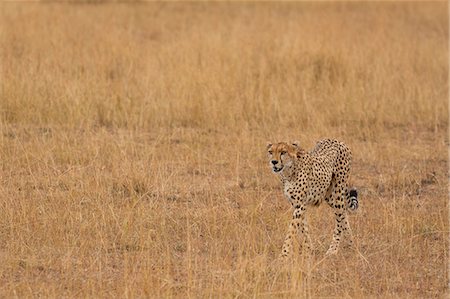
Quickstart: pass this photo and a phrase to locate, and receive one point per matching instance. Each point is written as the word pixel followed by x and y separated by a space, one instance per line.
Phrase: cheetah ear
pixel 269 144
pixel 296 143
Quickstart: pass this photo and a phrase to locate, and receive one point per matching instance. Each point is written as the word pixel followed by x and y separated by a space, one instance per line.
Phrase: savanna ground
pixel 132 147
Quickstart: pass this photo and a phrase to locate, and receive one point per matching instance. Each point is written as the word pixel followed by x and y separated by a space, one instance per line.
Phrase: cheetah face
pixel 281 155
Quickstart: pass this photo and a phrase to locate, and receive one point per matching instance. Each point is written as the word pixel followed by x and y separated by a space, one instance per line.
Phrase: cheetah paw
pixel 283 257
pixel 331 251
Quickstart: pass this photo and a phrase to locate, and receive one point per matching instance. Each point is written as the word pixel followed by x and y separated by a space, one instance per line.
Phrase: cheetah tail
pixel 352 199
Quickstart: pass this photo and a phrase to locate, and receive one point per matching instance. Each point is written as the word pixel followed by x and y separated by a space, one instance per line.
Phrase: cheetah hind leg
pixel 352 205
pixel 341 226
pixel 342 230
pixel 331 198
pixel 348 237
pixel 307 243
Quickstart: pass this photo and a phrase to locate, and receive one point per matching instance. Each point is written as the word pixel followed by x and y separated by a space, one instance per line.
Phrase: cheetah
pixel 308 179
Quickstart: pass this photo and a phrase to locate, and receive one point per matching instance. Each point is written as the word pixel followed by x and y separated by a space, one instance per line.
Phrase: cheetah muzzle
pixel 277 169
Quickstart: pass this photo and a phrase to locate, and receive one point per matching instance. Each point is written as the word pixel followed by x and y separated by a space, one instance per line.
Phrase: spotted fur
pixel 309 178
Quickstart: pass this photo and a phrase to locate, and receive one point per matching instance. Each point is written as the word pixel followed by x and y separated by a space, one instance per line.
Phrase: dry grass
pixel 132 147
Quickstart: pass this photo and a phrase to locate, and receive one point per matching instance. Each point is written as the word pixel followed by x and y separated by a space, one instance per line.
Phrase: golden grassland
pixel 132 147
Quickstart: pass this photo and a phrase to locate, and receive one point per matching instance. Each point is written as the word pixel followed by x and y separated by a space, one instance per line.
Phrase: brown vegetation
pixel 132 147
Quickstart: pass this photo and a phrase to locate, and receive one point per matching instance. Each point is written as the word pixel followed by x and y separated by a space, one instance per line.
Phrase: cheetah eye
pixel 270 152
pixel 283 152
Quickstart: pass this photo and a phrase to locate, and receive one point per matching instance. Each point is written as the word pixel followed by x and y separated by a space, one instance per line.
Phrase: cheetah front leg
pixel 297 225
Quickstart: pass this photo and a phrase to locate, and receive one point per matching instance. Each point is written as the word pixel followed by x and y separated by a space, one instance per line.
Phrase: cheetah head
pixel 281 155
